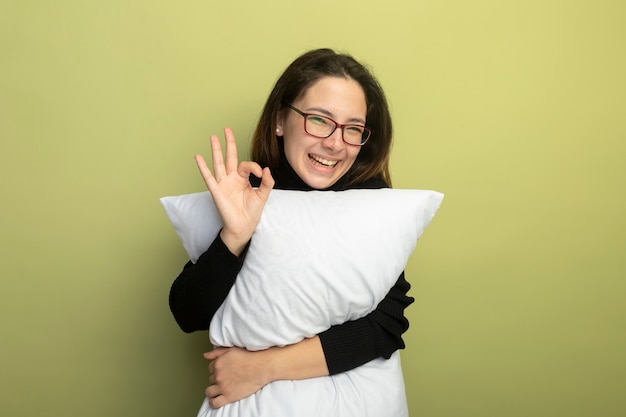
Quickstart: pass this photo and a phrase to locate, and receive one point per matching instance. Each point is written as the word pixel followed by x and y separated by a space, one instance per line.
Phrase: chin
pixel 320 183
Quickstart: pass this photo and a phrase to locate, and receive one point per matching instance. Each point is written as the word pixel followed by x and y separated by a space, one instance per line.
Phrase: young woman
pixel 325 126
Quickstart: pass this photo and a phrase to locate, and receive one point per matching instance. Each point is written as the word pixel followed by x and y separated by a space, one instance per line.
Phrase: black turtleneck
pixel 200 289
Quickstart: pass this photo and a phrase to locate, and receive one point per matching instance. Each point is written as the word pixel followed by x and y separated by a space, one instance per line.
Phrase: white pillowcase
pixel 316 259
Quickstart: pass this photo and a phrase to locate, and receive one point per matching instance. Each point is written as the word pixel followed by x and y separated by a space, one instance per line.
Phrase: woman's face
pixel 322 162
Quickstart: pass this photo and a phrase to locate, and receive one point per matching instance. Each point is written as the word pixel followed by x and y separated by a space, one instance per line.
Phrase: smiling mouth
pixel 321 161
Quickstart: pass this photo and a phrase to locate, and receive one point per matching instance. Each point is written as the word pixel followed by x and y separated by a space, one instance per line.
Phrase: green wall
pixel 514 109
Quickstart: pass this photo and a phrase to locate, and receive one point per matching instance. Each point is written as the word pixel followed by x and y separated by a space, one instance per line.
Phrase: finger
pixel 212 391
pixel 204 171
pixel 215 353
pixel 231 151
pixel 218 158
pixel 249 167
pixel 267 183
pixel 218 401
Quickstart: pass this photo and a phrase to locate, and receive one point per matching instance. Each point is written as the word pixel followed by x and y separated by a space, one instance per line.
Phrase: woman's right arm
pixel 200 289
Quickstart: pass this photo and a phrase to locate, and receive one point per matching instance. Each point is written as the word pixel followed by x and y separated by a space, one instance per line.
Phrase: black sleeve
pixel 379 334
pixel 201 288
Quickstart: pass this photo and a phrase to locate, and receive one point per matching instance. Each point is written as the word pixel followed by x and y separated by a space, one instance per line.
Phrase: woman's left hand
pixel 236 373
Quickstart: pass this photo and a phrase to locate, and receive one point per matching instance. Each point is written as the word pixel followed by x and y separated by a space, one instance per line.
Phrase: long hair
pixel 373 158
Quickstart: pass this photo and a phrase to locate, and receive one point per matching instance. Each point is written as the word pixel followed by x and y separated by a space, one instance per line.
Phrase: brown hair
pixel 373 158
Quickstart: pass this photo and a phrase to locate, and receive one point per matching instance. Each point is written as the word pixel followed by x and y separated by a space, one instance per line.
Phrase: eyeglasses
pixel 323 127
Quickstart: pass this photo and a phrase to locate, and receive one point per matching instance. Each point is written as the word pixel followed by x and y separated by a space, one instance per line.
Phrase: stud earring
pixel 277 130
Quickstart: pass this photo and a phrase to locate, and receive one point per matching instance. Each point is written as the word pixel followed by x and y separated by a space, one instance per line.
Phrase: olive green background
pixel 514 109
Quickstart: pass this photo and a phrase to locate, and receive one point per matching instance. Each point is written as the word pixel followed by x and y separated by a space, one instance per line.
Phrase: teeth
pixel 323 161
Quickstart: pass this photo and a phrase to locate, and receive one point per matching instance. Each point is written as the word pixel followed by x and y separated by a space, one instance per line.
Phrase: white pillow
pixel 316 259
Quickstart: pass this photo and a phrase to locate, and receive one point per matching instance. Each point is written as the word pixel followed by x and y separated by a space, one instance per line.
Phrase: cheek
pixel 353 155
pixel 293 150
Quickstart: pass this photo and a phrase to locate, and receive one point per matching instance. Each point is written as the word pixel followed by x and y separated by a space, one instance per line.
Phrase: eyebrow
pixel 329 114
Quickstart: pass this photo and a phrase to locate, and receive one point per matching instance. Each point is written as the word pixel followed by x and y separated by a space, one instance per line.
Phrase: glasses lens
pixel 354 134
pixel 319 126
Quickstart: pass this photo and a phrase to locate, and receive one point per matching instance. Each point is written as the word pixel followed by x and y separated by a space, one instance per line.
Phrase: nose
pixel 334 141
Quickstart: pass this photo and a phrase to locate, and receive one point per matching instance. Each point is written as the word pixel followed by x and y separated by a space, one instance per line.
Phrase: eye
pixel 355 129
pixel 318 120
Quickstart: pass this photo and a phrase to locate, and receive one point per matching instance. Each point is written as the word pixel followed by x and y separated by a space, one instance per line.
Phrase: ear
pixel 279 123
